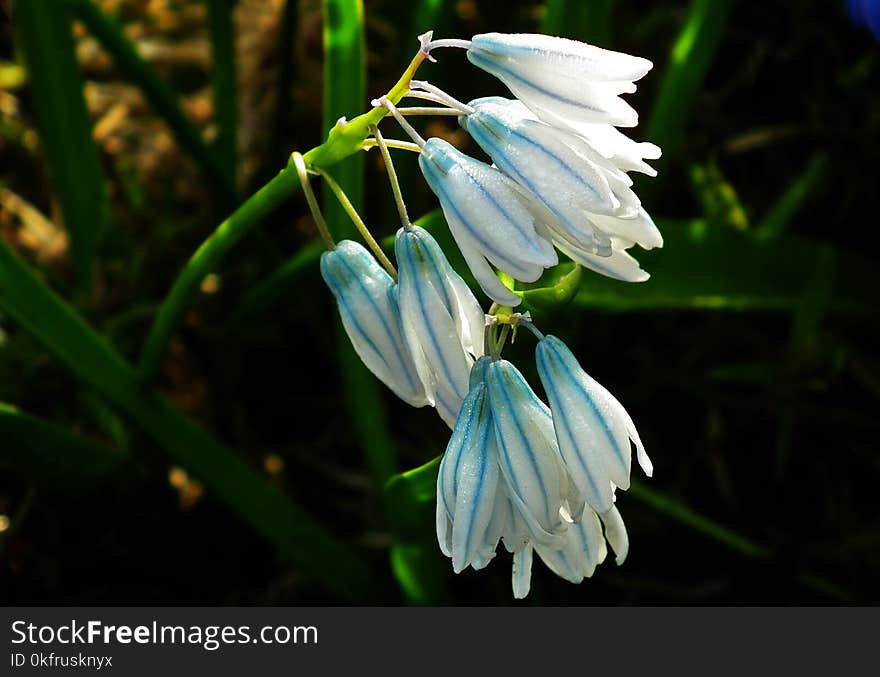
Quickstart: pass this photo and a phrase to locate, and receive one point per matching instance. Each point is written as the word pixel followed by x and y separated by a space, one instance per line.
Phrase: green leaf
pixel 416 560
pixel 56 86
pixel 585 20
pixel 792 200
pixel 228 477
pixel 47 454
pixel 721 204
pixel 556 287
pixel 702 265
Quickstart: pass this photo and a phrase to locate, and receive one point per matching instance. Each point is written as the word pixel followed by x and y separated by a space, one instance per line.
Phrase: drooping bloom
pixel 592 428
pixel 582 200
pixel 366 296
pixel 488 218
pixel 442 321
pixel 502 479
pixel 563 81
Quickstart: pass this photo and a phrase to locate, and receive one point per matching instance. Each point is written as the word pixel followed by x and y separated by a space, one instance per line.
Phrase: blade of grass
pixel 223 78
pixel 47 454
pixel 163 100
pixel 344 95
pixel 284 109
pixel 681 513
pixel 791 201
pixel 56 85
pixel 585 20
pixel 689 61
pixel 90 359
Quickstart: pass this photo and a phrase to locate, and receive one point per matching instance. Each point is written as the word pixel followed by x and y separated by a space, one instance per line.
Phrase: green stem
pixel 343 140
pixel 110 34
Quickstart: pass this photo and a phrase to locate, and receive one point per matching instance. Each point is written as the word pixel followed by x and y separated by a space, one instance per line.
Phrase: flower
pixel 488 218
pixel 442 321
pixel 585 204
pixel 367 300
pixel 563 81
pixel 592 428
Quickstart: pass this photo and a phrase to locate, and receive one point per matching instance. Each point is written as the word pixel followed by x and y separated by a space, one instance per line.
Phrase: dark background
pixel 764 421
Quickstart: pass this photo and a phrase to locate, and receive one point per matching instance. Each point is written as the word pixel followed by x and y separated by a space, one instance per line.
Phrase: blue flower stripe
pixel 569 368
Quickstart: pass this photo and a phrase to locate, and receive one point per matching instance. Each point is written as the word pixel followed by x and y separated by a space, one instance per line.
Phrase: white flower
pixel 563 81
pixel 442 321
pixel 488 218
pixel 367 300
pixel 593 429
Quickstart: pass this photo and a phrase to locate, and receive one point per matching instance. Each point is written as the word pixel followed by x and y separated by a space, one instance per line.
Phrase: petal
pixel 549 56
pixel 428 324
pixel 367 302
pixel 619 266
pixel 541 159
pixel 584 550
pixel 479 267
pixel 522 572
pixel 593 437
pixel 615 534
pixel 481 199
pixel 535 480
pixel 639 229
pixel 559 97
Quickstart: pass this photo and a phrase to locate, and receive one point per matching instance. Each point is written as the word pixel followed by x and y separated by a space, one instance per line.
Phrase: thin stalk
pixel 392 178
pixel 312 201
pixel 359 223
pixel 442 97
pixel 448 42
pixel 343 140
pixel 428 110
pixel 393 143
pixel 402 121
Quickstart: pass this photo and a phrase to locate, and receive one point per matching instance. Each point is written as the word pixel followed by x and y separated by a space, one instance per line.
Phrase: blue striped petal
pixel 615 534
pixel 584 550
pixel 522 572
pixel 367 300
pixel 534 476
pixel 485 213
pixel 562 79
pixel 592 427
pixel 467 486
pixel 439 321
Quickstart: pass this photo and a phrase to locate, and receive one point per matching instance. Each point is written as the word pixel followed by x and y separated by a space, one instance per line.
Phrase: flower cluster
pixel 536 477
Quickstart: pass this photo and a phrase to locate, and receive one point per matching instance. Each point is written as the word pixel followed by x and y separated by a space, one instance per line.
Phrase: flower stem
pixel 303 173
pixel 428 110
pixel 392 178
pixel 442 97
pixel 358 222
pixel 384 102
pixel 394 143
pixel 448 42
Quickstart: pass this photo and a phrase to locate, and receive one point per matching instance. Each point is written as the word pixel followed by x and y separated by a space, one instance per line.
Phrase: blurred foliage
pixel 747 361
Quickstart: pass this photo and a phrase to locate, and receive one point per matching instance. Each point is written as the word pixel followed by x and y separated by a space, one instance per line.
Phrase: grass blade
pixel 588 21
pixel 225 86
pixel 56 85
pixel 163 100
pixel 89 358
pixel 689 61
pixel 790 202
pixel 48 454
